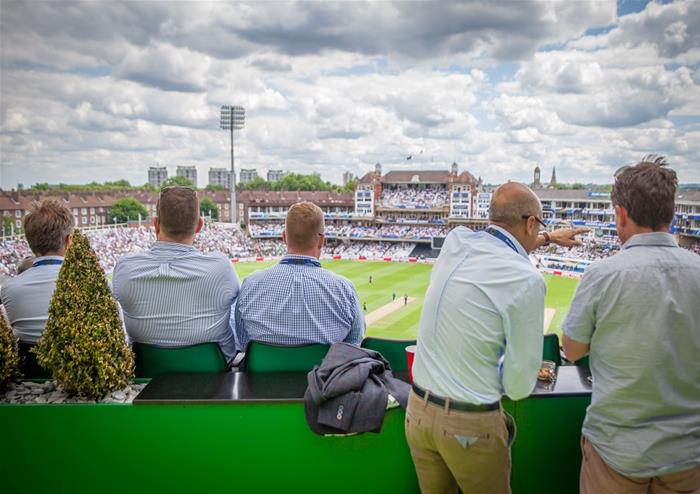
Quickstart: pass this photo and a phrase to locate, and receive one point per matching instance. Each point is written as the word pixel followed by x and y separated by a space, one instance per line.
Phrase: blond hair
pixel 304 224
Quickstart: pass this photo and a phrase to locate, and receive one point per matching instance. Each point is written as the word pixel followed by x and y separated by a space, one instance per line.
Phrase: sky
pixel 103 90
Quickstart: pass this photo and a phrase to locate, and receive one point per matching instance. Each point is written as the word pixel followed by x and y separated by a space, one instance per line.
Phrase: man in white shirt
pixel 480 338
pixel 26 297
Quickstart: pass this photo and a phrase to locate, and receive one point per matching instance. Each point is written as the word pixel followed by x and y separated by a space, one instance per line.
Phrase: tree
pixel 118 184
pixel 182 181
pixel 214 187
pixel 9 355
pixel 92 186
pixel 258 183
pixel 128 208
pixel 207 208
pixel 350 186
pixel 297 181
pixel 83 344
pixel 7 224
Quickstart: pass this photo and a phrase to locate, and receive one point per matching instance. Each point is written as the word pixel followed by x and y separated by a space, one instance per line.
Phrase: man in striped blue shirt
pixel 173 295
pixel 26 298
pixel 297 301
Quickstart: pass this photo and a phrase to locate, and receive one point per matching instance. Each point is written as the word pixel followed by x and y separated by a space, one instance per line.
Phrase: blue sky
pixel 101 91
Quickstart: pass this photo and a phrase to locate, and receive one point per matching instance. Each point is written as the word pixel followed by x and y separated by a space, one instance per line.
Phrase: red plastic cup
pixel 410 355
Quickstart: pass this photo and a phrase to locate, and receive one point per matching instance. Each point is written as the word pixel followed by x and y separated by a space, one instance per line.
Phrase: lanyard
pixel 301 261
pixel 46 262
pixel 500 236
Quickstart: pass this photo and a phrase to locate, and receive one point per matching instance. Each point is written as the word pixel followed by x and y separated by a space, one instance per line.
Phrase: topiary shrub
pixel 9 354
pixel 83 344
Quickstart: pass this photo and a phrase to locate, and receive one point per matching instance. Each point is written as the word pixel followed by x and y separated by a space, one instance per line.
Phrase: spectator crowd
pixel 111 244
pixel 414 198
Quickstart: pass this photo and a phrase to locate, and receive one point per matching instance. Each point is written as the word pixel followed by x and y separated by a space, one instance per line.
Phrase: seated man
pixel 297 301
pixel 26 297
pixel 173 295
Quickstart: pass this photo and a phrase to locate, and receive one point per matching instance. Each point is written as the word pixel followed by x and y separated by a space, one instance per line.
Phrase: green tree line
pixel 293 181
pixel 92 186
pixel 296 181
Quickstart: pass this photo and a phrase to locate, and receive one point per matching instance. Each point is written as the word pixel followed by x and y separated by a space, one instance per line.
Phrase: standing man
pixel 639 315
pixel 370 279
pixel 405 299
pixel 297 301
pixel 173 295
pixel 480 337
pixel 26 297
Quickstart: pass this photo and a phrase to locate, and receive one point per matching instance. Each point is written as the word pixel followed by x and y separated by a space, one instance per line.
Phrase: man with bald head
pixel 480 338
pixel 297 301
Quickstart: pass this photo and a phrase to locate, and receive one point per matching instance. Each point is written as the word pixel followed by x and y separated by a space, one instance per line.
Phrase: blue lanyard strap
pixel 500 236
pixel 46 262
pixel 301 261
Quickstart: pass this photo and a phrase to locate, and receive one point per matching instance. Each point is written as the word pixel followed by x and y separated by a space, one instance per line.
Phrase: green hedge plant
pixel 9 355
pixel 83 344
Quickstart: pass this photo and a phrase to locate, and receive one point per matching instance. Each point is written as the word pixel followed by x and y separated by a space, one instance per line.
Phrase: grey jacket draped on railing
pixel 349 391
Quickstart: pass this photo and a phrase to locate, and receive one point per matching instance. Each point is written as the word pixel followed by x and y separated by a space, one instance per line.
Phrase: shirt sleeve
pixel 238 326
pixel 235 285
pixel 116 282
pixel 580 321
pixel 357 329
pixel 523 326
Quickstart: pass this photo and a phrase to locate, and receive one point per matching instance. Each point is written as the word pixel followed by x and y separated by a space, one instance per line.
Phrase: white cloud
pixel 104 90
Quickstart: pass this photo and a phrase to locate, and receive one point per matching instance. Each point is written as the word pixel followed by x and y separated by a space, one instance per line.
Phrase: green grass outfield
pixel 412 279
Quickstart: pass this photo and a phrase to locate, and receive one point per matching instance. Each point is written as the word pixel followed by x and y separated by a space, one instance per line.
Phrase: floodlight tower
pixel 232 118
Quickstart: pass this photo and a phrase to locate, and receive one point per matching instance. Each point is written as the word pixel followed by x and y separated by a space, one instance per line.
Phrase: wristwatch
pixel 547 239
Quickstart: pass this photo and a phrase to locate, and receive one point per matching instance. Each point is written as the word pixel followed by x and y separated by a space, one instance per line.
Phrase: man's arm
pixel 115 283
pixel 240 334
pixel 357 329
pixel 575 350
pixel 581 320
pixel 523 324
pixel 565 237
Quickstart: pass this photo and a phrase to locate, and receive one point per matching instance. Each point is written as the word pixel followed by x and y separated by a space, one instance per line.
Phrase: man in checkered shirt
pixel 297 301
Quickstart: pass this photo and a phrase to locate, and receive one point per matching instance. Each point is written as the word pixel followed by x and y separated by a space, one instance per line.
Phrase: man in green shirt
pixel 638 313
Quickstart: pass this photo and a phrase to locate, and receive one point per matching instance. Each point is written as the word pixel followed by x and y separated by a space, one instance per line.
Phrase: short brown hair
pixel 304 223
pixel 647 191
pixel 178 211
pixel 47 225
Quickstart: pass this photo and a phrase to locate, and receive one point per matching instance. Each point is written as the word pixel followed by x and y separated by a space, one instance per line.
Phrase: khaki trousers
pixel 598 478
pixel 450 449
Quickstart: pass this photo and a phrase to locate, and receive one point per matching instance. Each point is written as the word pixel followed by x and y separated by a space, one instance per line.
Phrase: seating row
pixel 261 357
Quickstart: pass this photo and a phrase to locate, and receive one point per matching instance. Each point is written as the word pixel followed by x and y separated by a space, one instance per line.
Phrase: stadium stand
pixel 414 198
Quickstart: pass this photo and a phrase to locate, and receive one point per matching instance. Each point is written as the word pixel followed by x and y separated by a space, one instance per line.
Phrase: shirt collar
pixel 520 248
pixel 41 258
pixel 653 239
pixel 297 256
pixel 172 247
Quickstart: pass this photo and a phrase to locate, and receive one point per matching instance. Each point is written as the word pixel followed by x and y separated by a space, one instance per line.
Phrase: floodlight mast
pixel 232 118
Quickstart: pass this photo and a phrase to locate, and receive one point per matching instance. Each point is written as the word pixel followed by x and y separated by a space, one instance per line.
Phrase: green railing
pixel 256 442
